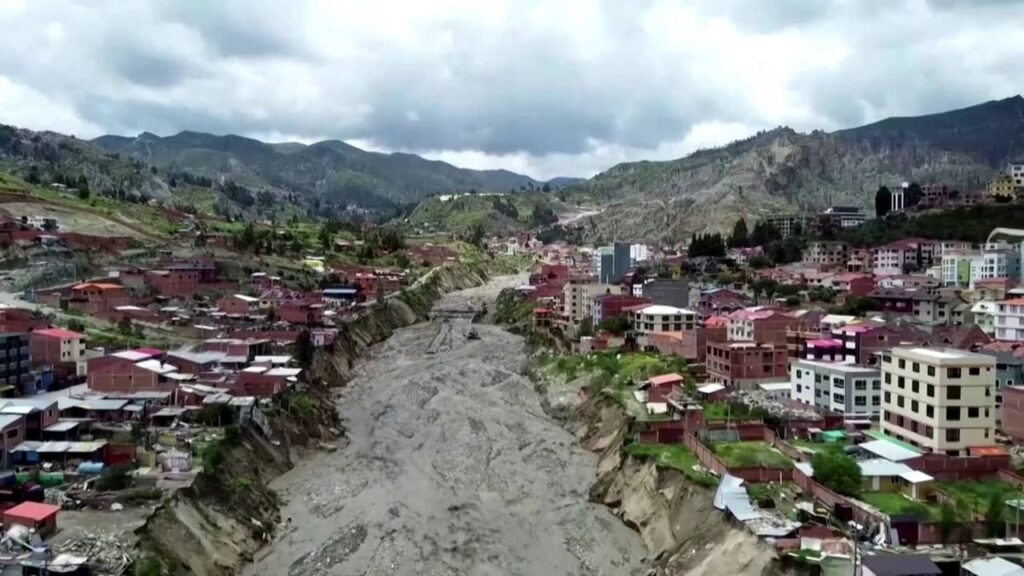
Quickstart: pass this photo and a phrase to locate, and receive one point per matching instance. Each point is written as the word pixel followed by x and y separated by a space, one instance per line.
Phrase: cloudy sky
pixel 553 87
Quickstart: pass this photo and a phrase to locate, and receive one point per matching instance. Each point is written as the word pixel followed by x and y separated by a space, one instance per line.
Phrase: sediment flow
pixel 452 468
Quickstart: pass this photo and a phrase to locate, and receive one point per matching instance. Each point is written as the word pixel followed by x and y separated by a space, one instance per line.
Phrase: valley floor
pixel 453 468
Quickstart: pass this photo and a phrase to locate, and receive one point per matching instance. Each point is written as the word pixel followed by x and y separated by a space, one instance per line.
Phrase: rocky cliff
pixel 676 519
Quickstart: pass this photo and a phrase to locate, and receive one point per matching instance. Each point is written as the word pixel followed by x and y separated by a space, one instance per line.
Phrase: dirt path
pixel 453 469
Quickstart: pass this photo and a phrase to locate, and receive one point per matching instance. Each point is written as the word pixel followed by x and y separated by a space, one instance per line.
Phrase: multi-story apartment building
pixel 746 364
pixel 788 224
pixel 658 318
pixel 846 216
pixel 1008 320
pixel 957 267
pixel 827 255
pixel 1002 188
pixel 855 391
pixel 16 362
pixel 939 399
pixel 579 298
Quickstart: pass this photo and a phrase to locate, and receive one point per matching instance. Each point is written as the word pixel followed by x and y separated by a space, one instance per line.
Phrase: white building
pixel 638 253
pixel 1016 171
pixel 658 318
pixel 848 389
pixel 985 315
pixel 1008 320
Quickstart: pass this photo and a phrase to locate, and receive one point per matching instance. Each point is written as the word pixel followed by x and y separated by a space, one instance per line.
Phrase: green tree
pixel 883 201
pixel 914 195
pixel 616 325
pixel 947 522
pixel 995 514
pixel 476 235
pixel 740 234
pixel 124 326
pixel 586 327
pixel 837 471
pixel 33 175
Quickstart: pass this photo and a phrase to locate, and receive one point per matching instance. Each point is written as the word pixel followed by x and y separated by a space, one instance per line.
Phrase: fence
pixel 957 468
pixel 830 498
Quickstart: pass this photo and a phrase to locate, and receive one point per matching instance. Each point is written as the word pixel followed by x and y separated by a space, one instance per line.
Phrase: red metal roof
pixel 59 333
pixel 988 451
pixel 665 379
pixel 35 511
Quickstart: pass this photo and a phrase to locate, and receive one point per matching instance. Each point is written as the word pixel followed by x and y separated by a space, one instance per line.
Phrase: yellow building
pixel 940 400
pixel 1002 188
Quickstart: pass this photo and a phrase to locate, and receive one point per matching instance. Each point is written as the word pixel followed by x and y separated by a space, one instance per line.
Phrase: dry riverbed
pixel 452 469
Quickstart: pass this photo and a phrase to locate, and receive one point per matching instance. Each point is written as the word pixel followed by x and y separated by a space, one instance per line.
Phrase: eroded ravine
pixel 452 469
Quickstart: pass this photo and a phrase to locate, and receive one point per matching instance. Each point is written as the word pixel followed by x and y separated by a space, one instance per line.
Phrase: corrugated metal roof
pixel 993 566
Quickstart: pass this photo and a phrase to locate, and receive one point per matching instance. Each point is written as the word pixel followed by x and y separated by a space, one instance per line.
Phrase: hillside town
pixel 904 361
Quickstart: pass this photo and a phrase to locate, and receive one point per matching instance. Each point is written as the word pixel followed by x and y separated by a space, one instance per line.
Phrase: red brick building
pixel 182 283
pixel 264 381
pixel 746 364
pixel 1012 414
pixel 238 305
pixel 20 320
pixel 117 374
pixel 94 297
pixel 689 344
pixel 56 346
pixel 301 312
pixel 246 349
pixel 614 306
pixel 766 326
pixel 853 283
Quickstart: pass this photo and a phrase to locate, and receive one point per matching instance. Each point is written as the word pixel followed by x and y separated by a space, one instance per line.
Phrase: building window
pixel 931 370
pixel 860 385
pixel 899 401
pixel 915 367
pixel 952 434
pixel 953 413
pixel 914 386
pixel 888 378
pixel 900 382
pixel 875 400
pixel 952 392
pixel 952 372
pixel 930 390
pixel 913 406
pixel 972 412
pixel 799 374
pixel 929 411
pixel 974 371
pixel 888 398
pixel 902 363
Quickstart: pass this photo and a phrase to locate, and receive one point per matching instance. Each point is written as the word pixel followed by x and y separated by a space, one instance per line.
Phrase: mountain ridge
pixel 785 170
pixel 333 169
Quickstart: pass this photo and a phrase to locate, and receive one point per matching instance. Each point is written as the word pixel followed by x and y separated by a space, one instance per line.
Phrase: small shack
pixel 35 515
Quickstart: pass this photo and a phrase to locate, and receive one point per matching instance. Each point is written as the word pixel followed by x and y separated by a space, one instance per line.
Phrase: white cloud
pixel 546 88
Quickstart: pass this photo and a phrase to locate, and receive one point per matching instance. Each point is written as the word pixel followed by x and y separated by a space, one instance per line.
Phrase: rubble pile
pixel 106 554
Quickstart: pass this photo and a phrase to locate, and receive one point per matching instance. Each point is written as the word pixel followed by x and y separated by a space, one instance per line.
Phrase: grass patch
pixel 894 503
pixel 971 499
pixel 739 454
pixel 820 446
pixel 720 412
pixel 674 456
